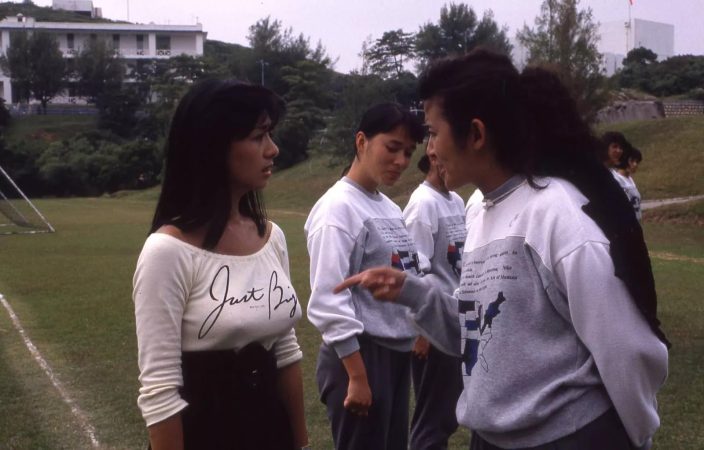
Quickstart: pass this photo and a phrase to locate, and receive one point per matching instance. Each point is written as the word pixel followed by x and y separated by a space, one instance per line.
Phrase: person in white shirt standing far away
pixel 555 317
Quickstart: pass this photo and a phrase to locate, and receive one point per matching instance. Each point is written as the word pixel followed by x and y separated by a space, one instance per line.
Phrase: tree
pixel 387 56
pixel 308 99
pixel 636 69
pixel 98 69
pixel 36 66
pixel 457 32
pixel 17 64
pixel 565 38
pixel 641 56
pixel 274 47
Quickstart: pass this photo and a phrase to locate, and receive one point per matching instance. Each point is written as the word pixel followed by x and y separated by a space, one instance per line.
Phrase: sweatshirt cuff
pixel 346 347
pixel 413 292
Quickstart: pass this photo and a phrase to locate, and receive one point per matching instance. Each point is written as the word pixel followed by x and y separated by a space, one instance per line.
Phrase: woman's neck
pixel 436 181
pixel 358 175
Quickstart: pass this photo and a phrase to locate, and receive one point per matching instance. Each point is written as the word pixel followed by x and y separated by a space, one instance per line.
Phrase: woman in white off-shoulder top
pixel 214 303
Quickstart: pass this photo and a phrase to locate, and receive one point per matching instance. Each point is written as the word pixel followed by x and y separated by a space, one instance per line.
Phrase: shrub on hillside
pixel 86 165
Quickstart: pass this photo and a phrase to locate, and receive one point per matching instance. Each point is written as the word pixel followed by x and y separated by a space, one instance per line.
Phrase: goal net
pixel 17 213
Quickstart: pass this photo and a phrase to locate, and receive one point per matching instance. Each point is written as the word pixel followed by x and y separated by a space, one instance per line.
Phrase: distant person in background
pixel 435 220
pixel 627 166
pixel 214 305
pixel 618 151
pixel 614 144
pixel 363 370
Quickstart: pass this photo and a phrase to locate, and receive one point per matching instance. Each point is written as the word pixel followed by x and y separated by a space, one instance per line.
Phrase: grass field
pixel 72 293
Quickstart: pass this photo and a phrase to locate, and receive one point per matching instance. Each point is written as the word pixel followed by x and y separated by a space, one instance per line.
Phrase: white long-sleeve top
pixel 435 221
pixel 350 230
pixel 190 299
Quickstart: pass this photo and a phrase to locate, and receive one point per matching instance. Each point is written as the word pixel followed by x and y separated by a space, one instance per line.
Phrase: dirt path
pixel 649 204
pixel 667 256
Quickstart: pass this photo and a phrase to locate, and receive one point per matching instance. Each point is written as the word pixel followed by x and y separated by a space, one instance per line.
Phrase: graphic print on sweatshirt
pixel 454 231
pixel 489 286
pixel 390 237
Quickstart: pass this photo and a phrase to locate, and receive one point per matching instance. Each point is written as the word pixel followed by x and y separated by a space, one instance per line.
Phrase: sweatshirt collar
pixel 372 195
pixel 502 192
pixel 428 184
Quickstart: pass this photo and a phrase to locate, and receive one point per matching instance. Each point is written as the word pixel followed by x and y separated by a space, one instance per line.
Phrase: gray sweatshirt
pixel 349 230
pixel 550 338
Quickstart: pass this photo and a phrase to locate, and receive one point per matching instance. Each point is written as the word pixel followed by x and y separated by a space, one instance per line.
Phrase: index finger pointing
pixel 348 283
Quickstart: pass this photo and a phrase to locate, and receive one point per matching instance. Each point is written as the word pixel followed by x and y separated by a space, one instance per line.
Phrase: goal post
pixel 18 215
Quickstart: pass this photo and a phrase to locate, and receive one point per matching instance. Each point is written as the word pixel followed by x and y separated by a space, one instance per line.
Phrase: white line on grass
pixel 80 415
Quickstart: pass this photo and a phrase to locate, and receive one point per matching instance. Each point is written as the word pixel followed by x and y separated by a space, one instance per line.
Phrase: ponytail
pixel 536 130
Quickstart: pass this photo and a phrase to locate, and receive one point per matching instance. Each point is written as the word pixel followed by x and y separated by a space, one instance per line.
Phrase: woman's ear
pixel 477 134
pixel 360 141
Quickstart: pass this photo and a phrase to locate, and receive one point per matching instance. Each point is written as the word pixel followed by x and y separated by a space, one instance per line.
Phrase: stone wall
pixel 683 108
pixel 625 111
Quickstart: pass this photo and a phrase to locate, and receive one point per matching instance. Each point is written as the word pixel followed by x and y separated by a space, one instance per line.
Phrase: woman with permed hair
pixel 555 316
pixel 214 304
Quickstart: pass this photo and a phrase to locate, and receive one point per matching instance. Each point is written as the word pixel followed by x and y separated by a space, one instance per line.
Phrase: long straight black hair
pixel 196 187
pixel 535 130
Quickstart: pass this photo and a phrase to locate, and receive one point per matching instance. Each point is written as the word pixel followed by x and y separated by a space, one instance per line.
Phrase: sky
pixel 343 25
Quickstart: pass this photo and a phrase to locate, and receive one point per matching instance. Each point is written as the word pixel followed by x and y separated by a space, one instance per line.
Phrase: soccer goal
pixel 17 213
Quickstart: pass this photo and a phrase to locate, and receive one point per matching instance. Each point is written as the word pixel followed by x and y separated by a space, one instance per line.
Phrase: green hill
pixel 673 155
pixel 673 166
pixel 673 160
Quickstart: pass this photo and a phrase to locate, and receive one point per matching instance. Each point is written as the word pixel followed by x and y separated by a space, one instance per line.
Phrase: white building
pixel 132 42
pixel 620 37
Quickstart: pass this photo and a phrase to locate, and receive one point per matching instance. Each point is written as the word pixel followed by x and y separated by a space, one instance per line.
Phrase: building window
pixel 70 41
pixel 163 45
pixel 116 42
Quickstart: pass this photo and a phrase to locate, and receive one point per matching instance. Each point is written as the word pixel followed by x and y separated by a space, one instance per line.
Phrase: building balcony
pixel 135 53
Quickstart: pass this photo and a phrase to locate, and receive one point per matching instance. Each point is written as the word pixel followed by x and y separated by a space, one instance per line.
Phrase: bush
pixel 88 165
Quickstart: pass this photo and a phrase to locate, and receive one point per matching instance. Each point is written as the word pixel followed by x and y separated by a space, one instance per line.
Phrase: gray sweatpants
pixel 437 382
pixel 388 372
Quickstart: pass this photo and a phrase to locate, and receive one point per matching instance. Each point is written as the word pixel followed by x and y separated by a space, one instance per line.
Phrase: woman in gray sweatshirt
pixel 555 317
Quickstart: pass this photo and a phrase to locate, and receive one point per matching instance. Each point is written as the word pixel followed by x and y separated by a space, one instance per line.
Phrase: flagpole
pixel 628 25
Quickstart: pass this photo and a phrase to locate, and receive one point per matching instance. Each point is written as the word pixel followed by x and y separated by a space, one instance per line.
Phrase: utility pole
pixel 263 63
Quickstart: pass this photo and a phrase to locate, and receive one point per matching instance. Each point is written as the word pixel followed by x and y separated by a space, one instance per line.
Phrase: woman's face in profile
pixel 251 160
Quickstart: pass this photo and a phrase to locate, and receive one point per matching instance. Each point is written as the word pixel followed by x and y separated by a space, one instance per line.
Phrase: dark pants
pixel 437 382
pixel 388 372
pixel 233 401
pixel 606 432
